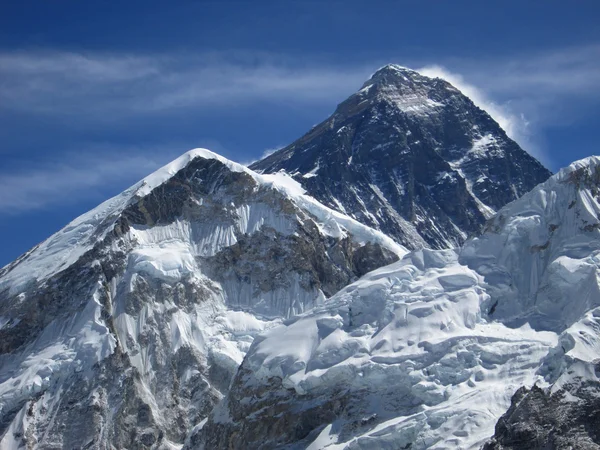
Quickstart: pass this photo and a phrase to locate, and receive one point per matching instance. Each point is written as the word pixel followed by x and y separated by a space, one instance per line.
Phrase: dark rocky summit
pixel 413 157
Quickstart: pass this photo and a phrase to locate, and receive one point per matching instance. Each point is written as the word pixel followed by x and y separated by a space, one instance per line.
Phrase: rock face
pixel 428 352
pixel 125 328
pixel 413 157
pixel 539 419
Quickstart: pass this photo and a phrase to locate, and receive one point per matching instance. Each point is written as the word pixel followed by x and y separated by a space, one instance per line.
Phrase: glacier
pixel 427 353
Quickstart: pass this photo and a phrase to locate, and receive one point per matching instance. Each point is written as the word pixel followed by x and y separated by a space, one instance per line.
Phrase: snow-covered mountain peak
pixel 280 181
pixel 407 90
pixel 129 323
pixel 163 174
pixel 401 76
pixel 66 246
pixel 392 67
pixel 392 73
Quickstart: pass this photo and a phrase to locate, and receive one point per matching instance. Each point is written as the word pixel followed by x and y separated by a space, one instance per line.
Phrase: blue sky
pixel 95 95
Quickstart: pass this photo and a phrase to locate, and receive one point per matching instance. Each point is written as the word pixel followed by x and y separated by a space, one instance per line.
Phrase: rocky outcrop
pixel 539 419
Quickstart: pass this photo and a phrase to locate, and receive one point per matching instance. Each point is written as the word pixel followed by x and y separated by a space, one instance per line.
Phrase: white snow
pixel 63 248
pixel 312 173
pixel 485 209
pixel 546 248
pixel 167 261
pixel 417 337
pixel 452 334
pixel 413 102
pixel 481 145
pixel 61 349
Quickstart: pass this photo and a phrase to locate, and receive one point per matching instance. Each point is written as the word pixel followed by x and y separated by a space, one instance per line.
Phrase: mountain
pixel 413 157
pixel 213 306
pixel 428 351
pixel 124 329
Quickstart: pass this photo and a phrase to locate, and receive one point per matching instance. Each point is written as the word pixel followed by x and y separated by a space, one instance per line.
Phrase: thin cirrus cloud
pixel 68 83
pixel 82 176
pixel 567 71
pixel 126 84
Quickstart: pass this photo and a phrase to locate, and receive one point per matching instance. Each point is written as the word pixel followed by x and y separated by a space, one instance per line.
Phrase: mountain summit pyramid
pixel 413 157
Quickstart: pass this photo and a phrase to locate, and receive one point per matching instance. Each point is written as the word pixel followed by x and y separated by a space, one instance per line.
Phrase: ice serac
pixel 563 260
pixel 413 157
pixel 124 329
pixel 428 352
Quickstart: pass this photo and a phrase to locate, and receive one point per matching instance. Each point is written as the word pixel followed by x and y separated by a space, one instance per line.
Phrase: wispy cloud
pixel 266 152
pixel 510 122
pixel 99 172
pixel 67 83
pixel 270 151
pixel 74 66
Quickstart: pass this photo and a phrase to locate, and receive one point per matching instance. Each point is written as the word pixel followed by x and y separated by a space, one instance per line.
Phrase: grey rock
pixel 539 419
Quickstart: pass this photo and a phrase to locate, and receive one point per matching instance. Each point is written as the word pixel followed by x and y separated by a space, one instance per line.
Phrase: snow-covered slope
pixel 427 352
pixel 66 246
pixel 402 357
pixel 540 253
pixel 411 156
pixel 124 328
